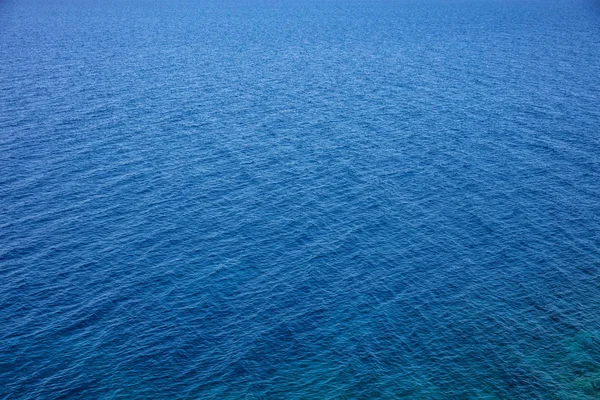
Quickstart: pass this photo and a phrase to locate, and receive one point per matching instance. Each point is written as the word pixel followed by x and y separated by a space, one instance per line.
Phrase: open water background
pixel 300 199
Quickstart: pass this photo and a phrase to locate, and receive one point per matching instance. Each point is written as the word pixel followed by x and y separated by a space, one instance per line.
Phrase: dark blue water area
pixel 277 199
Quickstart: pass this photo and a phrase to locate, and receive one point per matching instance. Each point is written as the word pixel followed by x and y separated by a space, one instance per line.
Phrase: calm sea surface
pixel 278 199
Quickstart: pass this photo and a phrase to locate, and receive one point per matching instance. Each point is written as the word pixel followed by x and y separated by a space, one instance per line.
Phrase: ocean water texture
pixel 300 199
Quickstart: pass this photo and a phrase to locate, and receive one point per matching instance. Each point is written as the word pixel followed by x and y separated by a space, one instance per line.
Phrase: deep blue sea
pixel 300 199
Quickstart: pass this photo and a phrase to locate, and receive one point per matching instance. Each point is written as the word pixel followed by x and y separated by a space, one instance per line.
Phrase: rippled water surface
pixel 277 199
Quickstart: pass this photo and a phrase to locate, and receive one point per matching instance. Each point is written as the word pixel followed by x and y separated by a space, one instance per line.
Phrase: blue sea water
pixel 277 199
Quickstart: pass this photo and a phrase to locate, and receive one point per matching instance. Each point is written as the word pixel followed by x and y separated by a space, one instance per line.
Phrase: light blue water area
pixel 278 199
